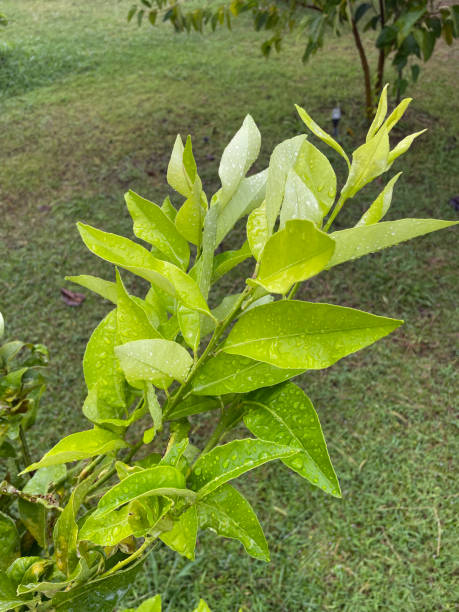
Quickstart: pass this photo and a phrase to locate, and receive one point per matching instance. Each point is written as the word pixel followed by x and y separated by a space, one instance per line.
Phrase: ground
pixel 90 107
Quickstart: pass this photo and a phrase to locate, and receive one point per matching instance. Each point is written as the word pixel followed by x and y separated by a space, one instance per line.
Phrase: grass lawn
pixel 90 107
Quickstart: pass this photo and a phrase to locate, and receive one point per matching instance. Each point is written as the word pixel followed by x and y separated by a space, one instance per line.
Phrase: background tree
pixel 407 30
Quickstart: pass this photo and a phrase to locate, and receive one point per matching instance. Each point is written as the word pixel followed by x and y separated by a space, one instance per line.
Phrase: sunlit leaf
pixel 257 230
pixel 305 335
pixel 285 415
pixel 380 114
pixel 102 287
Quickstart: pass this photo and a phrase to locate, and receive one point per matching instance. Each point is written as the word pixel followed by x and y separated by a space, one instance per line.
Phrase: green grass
pixel 90 106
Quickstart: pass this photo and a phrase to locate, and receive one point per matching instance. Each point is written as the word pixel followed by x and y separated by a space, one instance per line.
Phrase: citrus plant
pixel 155 361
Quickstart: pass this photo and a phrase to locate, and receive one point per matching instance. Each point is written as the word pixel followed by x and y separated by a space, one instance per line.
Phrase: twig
pixel 439 530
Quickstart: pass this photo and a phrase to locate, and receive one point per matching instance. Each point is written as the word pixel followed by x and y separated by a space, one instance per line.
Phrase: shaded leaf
pixel 182 536
pixel 229 514
pixel 9 537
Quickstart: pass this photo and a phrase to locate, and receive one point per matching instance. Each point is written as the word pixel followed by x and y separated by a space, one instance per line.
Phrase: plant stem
pixel 365 68
pixel 331 218
pixel 128 560
pixel 382 53
pixel 219 330
pixel 24 447
pixel 112 470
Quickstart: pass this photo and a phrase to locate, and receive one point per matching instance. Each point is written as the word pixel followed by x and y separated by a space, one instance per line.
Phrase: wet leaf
pixel 158 480
pixel 224 262
pixel 155 361
pixel 192 405
pixel 101 368
pixel 80 445
pixel 132 320
pixel 237 158
pixel 223 463
pixel 9 600
pixel 319 132
pixel 299 202
pixel 293 254
pixel 229 514
pixel 152 225
pixel 380 114
pixel 182 537
pixel 102 287
pixel 257 230
pixel 304 335
pixel 236 374
pixel 403 146
pixel 380 206
pixel 285 415
pixel 358 241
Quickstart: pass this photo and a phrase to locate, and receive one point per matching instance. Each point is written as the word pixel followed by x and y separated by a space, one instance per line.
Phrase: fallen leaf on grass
pixel 71 298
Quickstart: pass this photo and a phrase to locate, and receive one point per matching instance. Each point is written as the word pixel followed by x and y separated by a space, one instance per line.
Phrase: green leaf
pixel 153 226
pixel 153 406
pixel 80 445
pixel 8 597
pixel 319 132
pixel 293 334
pixel 100 595
pixel 9 537
pixel 397 114
pixel 190 325
pixel 380 206
pixel 368 162
pixel 132 321
pixel 285 415
pixel 102 287
pixel 223 463
pixel 182 537
pixel 299 202
pixel 282 160
pixel 33 516
pixel 224 262
pixel 237 158
pixel 358 241
pixel 42 479
pixel 100 413
pixel 65 533
pixel 155 361
pixel 135 258
pixel 202 607
pixel 190 217
pixel 257 230
pixel 403 146
pixel 153 604
pixel 225 374
pixel 317 174
pixel 101 367
pixel 192 405
pixel 2 325
pixel 248 196
pixel 380 115
pixel 177 176
pixel 158 480
pixel 229 514
pixel 293 254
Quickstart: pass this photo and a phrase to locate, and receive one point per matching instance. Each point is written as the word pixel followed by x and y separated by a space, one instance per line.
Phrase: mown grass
pixel 89 107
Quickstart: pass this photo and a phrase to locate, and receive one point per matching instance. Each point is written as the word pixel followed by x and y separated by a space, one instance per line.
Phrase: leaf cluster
pixel 159 359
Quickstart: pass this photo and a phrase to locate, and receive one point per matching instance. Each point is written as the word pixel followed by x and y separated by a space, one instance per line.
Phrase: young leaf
pixel 225 374
pixel 293 254
pixel 101 367
pixel 304 335
pixel 237 158
pixel 102 287
pixel 224 262
pixel 282 160
pixel 299 202
pixel 397 114
pixel 190 218
pixel 380 115
pixel 229 514
pixel 135 258
pixel 368 162
pixel 158 480
pixel 155 361
pixel 223 463
pixel 177 176
pixel 380 206
pixel 318 131
pixel 248 196
pixel 358 241
pixel 80 445
pixel 285 415
pixel 317 174
pixel 202 607
pixel 257 230
pixel 182 536
pixel 132 321
pixel 153 226
pixel 403 146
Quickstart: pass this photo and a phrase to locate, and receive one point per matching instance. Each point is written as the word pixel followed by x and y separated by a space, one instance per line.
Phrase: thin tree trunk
pixel 382 54
pixel 366 71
